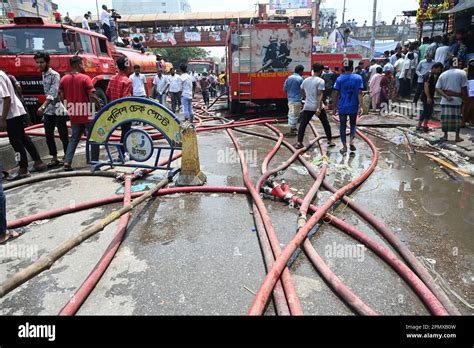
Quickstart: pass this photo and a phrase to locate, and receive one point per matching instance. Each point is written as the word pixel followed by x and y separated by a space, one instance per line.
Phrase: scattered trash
pixel 252 292
pixel 300 170
pixel 448 165
pixel 41 222
pixel 398 140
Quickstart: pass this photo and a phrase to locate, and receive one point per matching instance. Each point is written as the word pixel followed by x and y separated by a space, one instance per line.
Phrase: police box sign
pixel 139 145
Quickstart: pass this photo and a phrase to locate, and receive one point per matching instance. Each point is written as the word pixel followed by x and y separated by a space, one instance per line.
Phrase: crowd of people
pixel 315 90
pixel 66 97
pixel 438 67
pixel 73 98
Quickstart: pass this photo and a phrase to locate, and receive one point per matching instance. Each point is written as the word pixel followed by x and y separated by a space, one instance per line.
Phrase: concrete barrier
pixel 7 154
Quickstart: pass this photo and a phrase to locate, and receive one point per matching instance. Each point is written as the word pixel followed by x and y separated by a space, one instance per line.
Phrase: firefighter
pixel 284 53
pixel 272 52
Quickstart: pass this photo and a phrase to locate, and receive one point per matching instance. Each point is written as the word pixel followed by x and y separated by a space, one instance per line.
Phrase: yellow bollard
pixel 191 174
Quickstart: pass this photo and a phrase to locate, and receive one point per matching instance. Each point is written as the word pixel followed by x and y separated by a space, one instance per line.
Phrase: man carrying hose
pixel 348 103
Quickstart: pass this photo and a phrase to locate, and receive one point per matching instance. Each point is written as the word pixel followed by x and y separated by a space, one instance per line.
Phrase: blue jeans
pixel 77 132
pixel 343 129
pixel 187 107
pixel 174 101
pixel 3 212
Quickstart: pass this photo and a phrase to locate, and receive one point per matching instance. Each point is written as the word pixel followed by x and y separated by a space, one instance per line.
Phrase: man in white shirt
pixel 373 68
pixel 85 22
pixel 312 90
pixel 398 69
pixel 160 87
pixel 442 52
pixel 452 86
pixel 140 88
pixel 12 114
pixel 186 88
pixel 105 20
pixel 406 76
pixel 175 90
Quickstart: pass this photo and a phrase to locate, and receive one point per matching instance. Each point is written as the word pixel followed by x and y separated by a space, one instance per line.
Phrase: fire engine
pixel 20 41
pixel 201 66
pixel 263 55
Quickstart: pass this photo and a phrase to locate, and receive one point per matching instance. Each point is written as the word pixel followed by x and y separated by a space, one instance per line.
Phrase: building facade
pixel 151 6
pixel 26 8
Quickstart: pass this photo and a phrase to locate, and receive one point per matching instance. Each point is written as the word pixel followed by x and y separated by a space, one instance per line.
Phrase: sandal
pixel 298 146
pixel 426 129
pixel 353 148
pixel 53 164
pixel 12 235
pixel 331 144
pixel 459 140
pixel 38 169
pixel 343 151
pixel 17 176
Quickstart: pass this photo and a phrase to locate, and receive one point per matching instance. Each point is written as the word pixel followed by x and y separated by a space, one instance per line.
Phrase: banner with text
pixel 289 4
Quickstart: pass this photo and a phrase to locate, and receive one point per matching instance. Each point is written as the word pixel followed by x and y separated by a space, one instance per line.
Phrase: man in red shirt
pixel 120 87
pixel 76 93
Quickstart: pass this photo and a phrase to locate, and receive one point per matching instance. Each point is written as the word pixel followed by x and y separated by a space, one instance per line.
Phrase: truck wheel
pixel 236 108
pixel 99 92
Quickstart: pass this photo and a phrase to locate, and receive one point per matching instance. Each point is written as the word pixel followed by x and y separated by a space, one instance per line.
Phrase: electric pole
pixel 344 13
pixel 316 16
pixel 98 14
pixel 374 25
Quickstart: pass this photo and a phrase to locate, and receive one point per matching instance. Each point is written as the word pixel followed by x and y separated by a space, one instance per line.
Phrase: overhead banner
pixel 289 4
pixel 215 36
pixel 164 37
pixel 192 36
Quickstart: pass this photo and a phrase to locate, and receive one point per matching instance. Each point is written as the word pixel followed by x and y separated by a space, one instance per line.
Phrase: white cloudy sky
pixel 360 10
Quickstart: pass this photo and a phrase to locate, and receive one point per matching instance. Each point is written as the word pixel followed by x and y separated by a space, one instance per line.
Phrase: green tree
pixel 177 56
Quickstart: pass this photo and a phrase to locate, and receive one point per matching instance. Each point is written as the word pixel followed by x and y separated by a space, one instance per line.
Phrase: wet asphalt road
pixel 199 254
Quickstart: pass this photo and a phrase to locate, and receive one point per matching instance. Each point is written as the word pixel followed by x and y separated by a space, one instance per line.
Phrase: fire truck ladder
pixel 245 83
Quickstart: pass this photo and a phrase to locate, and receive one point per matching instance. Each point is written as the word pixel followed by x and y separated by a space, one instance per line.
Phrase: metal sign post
pixel 139 145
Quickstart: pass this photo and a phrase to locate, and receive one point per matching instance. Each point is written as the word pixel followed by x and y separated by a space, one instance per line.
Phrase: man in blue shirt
pixel 293 88
pixel 348 102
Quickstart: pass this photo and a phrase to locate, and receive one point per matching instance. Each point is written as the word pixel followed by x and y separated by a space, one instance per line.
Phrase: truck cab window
pixel 31 40
pixel 101 46
pixel 85 43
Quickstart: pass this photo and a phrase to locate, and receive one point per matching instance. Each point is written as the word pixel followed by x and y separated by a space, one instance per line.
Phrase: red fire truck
pixel 262 56
pixel 201 66
pixel 20 40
